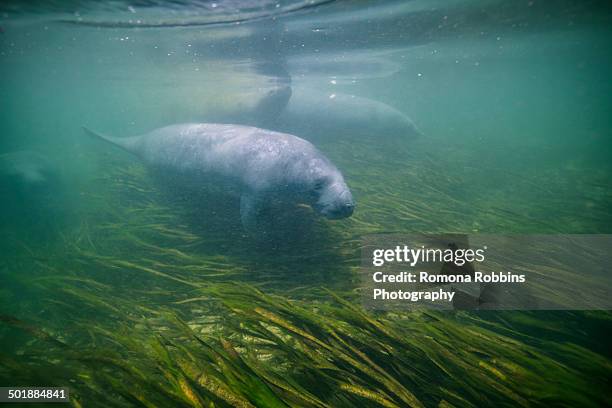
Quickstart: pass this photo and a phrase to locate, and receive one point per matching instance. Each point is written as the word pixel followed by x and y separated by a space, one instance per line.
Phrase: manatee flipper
pixel 251 206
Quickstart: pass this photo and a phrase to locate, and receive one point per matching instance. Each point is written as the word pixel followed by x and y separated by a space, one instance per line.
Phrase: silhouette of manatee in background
pixel 323 115
pixel 32 194
pixel 302 109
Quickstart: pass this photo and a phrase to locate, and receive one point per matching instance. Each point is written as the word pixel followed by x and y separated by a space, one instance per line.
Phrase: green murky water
pixel 131 297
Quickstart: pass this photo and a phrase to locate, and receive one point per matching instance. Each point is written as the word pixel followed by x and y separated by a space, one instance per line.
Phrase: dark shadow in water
pixel 299 249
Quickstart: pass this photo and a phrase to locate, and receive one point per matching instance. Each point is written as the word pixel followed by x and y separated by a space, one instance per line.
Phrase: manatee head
pixel 28 169
pixel 333 197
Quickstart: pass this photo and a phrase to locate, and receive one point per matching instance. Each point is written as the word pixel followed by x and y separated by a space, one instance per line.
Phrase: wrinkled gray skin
pixel 262 165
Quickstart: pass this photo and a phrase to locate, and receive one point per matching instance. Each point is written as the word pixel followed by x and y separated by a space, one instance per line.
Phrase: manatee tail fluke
pixel 124 143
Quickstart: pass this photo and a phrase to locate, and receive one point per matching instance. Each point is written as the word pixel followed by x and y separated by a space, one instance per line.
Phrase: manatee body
pixel 26 166
pixel 262 166
pixel 28 178
pixel 32 193
pixel 316 114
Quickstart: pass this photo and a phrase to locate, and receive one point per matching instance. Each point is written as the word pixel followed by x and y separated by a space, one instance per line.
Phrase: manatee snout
pixel 343 210
pixel 336 202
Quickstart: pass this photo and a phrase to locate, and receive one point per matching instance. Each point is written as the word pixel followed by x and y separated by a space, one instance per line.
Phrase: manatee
pixel 319 114
pixel 316 115
pixel 32 192
pixel 26 166
pixel 261 166
pixel 28 179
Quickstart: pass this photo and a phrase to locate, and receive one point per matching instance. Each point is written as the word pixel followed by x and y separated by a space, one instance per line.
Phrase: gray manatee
pixel 33 193
pixel 28 180
pixel 262 166
pixel 314 114
pixel 25 166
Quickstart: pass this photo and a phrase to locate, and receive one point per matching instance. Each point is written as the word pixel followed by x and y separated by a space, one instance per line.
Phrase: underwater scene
pixel 185 187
